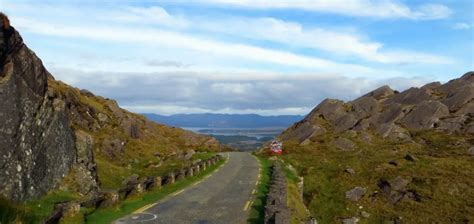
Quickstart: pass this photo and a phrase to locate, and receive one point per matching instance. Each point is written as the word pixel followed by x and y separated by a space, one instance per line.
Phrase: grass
pixel 107 215
pixel 442 175
pixel 299 212
pixel 257 212
pixel 33 211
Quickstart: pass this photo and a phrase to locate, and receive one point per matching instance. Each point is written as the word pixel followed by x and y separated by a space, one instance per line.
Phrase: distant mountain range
pixel 225 120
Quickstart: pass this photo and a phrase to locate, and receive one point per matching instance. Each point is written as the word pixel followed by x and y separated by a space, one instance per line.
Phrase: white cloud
pixel 366 8
pixel 462 26
pixel 223 93
pixel 294 34
pixel 147 36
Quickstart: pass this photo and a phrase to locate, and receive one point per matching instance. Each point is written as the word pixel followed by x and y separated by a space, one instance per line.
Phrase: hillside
pixel 389 156
pixel 225 120
pixel 56 138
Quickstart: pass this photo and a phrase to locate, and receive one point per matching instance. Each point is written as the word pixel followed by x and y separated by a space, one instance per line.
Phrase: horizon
pixel 265 58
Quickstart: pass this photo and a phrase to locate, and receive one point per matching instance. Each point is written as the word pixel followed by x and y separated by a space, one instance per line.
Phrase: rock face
pixel 36 142
pixel 51 134
pixel 448 107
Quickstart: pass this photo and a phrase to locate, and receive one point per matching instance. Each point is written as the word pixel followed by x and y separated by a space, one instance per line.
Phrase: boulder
pixel 459 98
pixel 35 132
pixel 131 180
pixel 365 107
pixel 470 151
pixel 381 93
pixel 390 114
pixel 411 96
pixel 353 220
pixel 344 123
pixel 425 115
pixel 356 193
pixel 452 124
pixel 392 131
pixel 189 154
pixel 399 183
pixel 302 131
pixel 349 171
pixel 329 109
pixel 410 157
pixel 344 144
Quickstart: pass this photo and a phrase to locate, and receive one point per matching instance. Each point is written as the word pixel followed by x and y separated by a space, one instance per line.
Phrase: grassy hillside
pixel 388 156
pixel 440 176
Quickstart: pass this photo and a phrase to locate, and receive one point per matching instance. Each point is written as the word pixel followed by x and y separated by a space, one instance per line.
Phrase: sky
pixel 240 56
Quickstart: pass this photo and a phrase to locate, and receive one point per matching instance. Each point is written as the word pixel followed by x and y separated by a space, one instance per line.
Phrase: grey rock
pixel 364 214
pixel 34 133
pixel 302 131
pixel 411 96
pixel 349 171
pixel 470 151
pixel 452 124
pixel 381 93
pixel 391 114
pixel 329 109
pixel 392 131
pixel 344 144
pixel 459 98
pixel 399 183
pixel 365 107
pixel 425 115
pixel 353 220
pixel 356 193
pixel 344 123
pixel 410 157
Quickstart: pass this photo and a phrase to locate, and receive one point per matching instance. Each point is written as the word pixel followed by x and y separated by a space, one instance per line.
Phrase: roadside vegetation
pixel 257 210
pixel 434 178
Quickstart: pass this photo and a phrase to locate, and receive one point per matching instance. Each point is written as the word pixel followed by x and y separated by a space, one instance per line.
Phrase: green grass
pixel 107 215
pixel 442 175
pixel 257 211
pixel 33 211
pixel 299 213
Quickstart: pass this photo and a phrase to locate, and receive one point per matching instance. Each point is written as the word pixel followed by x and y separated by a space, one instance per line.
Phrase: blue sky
pixel 241 56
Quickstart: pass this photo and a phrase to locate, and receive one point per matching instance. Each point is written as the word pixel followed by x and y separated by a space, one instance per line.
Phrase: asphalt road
pixel 223 197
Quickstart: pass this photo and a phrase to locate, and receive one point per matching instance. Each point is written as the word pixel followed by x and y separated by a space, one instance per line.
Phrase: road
pixel 223 197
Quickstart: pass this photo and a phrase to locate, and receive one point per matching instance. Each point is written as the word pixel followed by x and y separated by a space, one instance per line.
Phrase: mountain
pixel 389 156
pixel 54 137
pixel 225 120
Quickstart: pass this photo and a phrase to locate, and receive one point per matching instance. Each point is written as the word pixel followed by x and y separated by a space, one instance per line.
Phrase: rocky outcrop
pixel 392 115
pixel 52 134
pixel 37 143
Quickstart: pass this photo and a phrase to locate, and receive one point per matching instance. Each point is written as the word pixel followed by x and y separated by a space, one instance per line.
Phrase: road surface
pixel 223 197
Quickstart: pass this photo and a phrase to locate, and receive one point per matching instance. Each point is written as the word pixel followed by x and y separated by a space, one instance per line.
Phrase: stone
pixel 470 151
pixel 392 131
pixel 425 115
pixel 131 180
pixel 302 131
pixel 356 193
pixel 329 109
pixel 410 157
pixel 411 96
pixel 353 220
pixel 364 214
pixel 157 182
pixel 459 98
pixel 189 154
pixel 399 183
pixel 349 171
pixel 344 144
pixel 365 107
pixel 29 122
pixel 344 123
pixel 381 93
